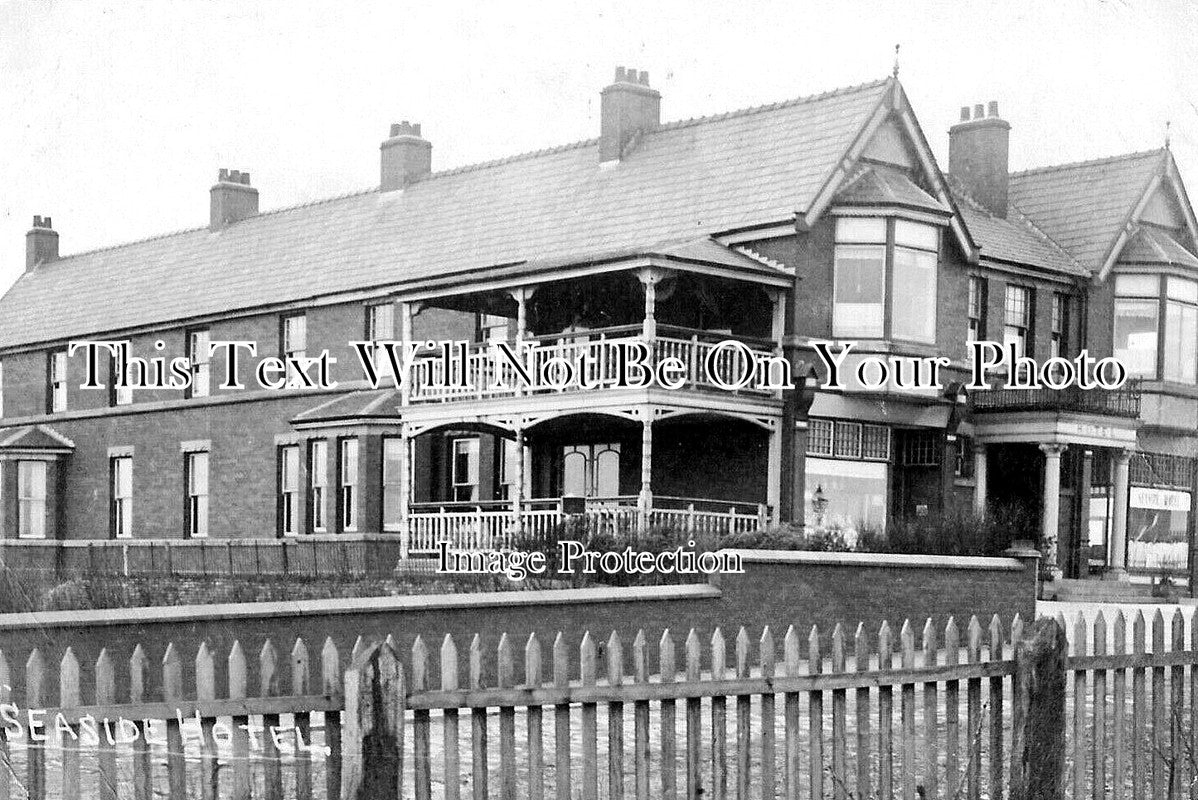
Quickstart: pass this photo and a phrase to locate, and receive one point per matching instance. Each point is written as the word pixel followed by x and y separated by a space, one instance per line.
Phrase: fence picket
pixel 1119 709
pixel 615 720
pixel 331 682
pixel 35 697
pixel 1079 710
pixel 907 645
pixel 1098 754
pixel 205 671
pixel 743 719
pixel 861 664
pixel 1160 719
pixel 694 722
pixel 815 708
pixel 172 694
pixel 765 661
pixel 997 758
pixel 640 718
pixel 719 721
pixel 104 693
pixel 139 668
pixel 561 721
pixel 885 714
pixel 931 714
pixel 478 725
pixel 973 713
pixel 668 673
pixel 839 712
pixel 1177 744
pixel 506 675
pixel 301 678
pixel 952 710
pixel 422 778
pixel 268 686
pixel 238 682
pixel 590 732
pixel 536 757
pixel 449 720
pixel 1139 776
pixel 68 697
pixel 792 658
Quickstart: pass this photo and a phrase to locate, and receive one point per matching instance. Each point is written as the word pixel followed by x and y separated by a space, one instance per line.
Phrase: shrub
pixel 70 596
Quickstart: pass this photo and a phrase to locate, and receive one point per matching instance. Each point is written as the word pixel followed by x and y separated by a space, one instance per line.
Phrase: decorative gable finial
pixel 1168 124
pixel 896 60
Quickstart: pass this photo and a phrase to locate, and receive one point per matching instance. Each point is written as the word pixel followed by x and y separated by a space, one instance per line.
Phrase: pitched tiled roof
pixel 1155 246
pixel 878 184
pixel 1013 238
pixel 684 181
pixel 35 437
pixel 1083 206
pixel 364 404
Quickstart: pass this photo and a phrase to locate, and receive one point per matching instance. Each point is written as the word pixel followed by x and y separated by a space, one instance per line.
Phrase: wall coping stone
pixel 215 541
pixel 352 605
pixel 880 560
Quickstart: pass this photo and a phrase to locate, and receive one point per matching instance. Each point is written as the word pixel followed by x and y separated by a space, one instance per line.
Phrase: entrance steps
pixel 1099 591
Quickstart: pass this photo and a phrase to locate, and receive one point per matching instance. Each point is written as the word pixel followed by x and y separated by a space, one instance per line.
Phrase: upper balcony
pixel 1123 402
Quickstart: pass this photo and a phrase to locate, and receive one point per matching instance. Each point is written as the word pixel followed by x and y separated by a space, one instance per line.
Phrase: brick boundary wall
pixel 777 589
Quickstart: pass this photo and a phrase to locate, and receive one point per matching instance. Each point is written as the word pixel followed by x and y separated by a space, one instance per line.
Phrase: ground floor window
pixel 845 495
pixel 393 476
pixel 1158 523
pixel 31 499
pixel 347 484
pixel 465 469
pixel 122 497
pixel 318 477
pixel 289 490
pixel 591 470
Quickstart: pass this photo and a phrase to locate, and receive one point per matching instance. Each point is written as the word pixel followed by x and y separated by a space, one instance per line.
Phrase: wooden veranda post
pixel 374 698
pixel 1038 724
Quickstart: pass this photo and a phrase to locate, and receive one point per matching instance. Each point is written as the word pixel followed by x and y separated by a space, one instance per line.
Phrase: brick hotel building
pixel 824 217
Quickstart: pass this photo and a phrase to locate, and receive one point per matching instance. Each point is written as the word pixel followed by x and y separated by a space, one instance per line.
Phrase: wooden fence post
pixel 1038 725
pixel 374 697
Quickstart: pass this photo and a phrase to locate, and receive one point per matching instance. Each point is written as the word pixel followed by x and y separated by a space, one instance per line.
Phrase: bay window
pixel 393 478
pixel 31 499
pixel 318 477
pixel 872 254
pixel 1137 312
pixel 1145 346
pixel 347 484
pixel 289 490
pixel 1181 330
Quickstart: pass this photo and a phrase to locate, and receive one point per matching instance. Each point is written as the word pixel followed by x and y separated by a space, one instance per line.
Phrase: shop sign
pixel 1163 499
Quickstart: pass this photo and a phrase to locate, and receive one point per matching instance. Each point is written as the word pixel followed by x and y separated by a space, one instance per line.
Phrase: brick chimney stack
pixel 41 243
pixel 406 157
pixel 233 199
pixel 977 156
pixel 628 108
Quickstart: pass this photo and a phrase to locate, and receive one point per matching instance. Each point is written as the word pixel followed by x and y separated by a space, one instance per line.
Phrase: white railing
pixel 492 526
pixel 594 363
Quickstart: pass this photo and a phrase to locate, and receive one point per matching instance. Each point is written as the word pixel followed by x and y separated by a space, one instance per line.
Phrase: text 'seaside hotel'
pixel 817 218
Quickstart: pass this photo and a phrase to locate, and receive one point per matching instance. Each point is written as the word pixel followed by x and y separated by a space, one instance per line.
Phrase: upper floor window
pixel 196 482
pixel 118 395
pixel 865 265
pixel 1017 319
pixel 1181 330
pixel 57 388
pixel 1137 315
pixel 347 481
pixel 31 499
pixel 121 516
pixel 1059 344
pixel 465 469
pixel 201 365
pixel 318 475
pixel 380 327
pixel 295 345
pixel 977 308
pixel 289 488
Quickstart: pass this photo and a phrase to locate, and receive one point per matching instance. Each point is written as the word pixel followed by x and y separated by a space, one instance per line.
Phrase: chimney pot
pixel 231 199
pixel 41 243
pixel 405 157
pixel 992 110
pixel 628 108
pixel 965 113
pixel 978 111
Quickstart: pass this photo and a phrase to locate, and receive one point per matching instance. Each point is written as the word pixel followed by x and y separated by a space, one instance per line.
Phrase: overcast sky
pixel 115 117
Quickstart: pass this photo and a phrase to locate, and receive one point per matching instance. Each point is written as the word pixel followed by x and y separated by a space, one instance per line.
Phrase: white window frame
pixel 198 341
pixel 393 453
pixel 121 492
pixel 121 395
pixel 197 498
pixel 461 484
pixel 289 490
pixel 592 456
pixel 294 344
pixel 380 327
pixel 32 498
pixel 318 484
pixel 1181 305
pixel 58 381
pixel 347 484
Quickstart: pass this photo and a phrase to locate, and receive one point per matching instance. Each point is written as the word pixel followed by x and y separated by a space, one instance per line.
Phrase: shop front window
pixel 845 496
pixel 1157 529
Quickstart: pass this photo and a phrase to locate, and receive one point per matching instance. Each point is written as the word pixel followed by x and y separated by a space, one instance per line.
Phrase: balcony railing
pixel 1121 402
pixel 595 356
pixel 492 525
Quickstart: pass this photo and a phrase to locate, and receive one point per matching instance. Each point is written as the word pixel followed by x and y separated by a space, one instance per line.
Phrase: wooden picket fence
pixel 978 713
